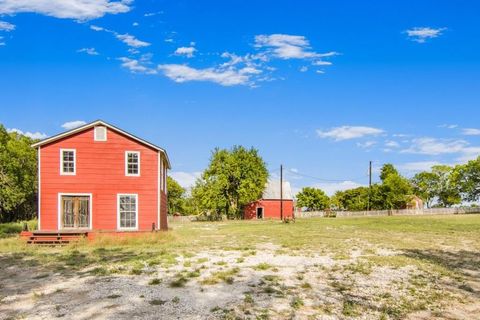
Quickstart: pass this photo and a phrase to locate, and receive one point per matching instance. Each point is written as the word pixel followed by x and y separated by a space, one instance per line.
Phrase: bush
pixel 12 228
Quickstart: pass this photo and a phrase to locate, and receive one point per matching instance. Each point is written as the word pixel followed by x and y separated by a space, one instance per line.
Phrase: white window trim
pixel 95 133
pixel 59 213
pixel 159 198
pixel 126 164
pixel 74 163
pixel 136 211
pixel 39 197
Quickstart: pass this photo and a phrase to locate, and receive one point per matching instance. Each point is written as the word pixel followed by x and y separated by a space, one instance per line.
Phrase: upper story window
pixel 100 133
pixel 132 163
pixel 67 161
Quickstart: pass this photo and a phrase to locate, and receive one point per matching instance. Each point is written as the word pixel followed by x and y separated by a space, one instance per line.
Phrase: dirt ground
pixel 260 281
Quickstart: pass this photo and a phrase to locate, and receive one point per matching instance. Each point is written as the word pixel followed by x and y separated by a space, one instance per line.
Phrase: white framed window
pixel 68 159
pixel 132 163
pixel 100 133
pixel 127 211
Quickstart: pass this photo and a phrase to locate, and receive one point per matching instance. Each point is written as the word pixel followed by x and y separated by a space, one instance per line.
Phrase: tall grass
pixel 13 228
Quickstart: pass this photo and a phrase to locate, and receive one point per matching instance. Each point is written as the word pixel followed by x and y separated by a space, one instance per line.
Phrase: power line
pixel 322 179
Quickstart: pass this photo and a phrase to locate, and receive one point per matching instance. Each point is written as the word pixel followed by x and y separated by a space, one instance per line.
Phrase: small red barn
pixel 269 207
pixel 99 178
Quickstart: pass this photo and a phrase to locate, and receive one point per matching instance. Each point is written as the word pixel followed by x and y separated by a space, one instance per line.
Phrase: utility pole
pixel 281 192
pixel 369 184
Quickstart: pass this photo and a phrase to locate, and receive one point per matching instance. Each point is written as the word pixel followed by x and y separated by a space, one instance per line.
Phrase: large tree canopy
pixel 233 178
pixel 176 197
pixel 18 177
pixel 313 199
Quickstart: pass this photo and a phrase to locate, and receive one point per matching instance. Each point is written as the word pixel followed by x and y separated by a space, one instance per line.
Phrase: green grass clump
pixel 154 282
pixel 178 282
pixel 350 309
pixel 297 303
pixel 217 277
pixel 262 266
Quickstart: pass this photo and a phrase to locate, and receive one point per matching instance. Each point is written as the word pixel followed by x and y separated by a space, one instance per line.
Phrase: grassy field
pixel 367 268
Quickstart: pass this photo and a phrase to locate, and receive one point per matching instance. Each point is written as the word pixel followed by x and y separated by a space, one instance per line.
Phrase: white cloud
pixel 471 132
pixel 320 72
pixel 89 51
pixel 303 69
pixel 448 126
pixel 131 41
pixel 185 179
pixel 392 144
pixel 73 124
pixel 285 46
pixel 136 66
pixel 433 146
pixel 185 51
pixel 6 26
pixel 349 132
pixel 66 9
pixel 419 166
pixel 96 28
pixel 321 63
pixel 421 35
pixel 151 14
pixel 135 24
pixel 31 135
pixel 366 144
pixel 225 77
pixel 469 153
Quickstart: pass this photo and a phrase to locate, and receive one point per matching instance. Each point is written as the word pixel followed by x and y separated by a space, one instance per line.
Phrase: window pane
pixel 128 211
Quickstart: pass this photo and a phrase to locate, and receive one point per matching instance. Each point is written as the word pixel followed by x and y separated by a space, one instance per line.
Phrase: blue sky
pixel 320 86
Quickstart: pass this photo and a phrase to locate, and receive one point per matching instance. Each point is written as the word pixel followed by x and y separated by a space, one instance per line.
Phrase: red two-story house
pixel 99 178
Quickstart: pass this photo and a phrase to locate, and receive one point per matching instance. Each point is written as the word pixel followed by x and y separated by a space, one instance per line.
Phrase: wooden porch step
pixel 50 238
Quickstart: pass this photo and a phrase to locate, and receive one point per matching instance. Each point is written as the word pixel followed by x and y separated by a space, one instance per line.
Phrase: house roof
pixel 101 123
pixel 272 190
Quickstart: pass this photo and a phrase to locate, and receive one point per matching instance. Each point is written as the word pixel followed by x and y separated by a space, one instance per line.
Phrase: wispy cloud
pixel 137 66
pixel 448 126
pixel 185 51
pixel 434 146
pixel 349 132
pixel 422 34
pixel 6 26
pixel 366 144
pixel 185 179
pixel 72 9
pixel 471 132
pixel 131 41
pixel 73 124
pixel 414 167
pixel 225 77
pixel 31 135
pixel 285 46
pixel 89 51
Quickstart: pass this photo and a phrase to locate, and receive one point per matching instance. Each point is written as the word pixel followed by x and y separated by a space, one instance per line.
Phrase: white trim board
pixel 59 221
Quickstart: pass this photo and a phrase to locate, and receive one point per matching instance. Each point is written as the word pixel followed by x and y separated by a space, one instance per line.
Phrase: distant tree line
pixel 18 177
pixel 442 186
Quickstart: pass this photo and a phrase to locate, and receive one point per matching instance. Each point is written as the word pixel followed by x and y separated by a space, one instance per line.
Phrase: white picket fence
pixel 403 212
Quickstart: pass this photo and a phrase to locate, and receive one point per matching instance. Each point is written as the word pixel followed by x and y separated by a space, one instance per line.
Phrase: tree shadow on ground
pixel 463 262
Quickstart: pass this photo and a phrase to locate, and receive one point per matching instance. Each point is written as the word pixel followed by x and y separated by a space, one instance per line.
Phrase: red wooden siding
pixel 271 209
pixel 100 170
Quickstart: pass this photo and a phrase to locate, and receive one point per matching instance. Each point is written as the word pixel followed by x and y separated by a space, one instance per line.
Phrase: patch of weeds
pixel 466 287
pixel 364 268
pixel 179 282
pixel 326 308
pixel 221 263
pixel 113 296
pixel 99 271
pixel 202 260
pixel 136 271
pixel 248 299
pixel 41 276
pixel 38 295
pixel 226 276
pixel 297 303
pixel 263 315
pixel 157 302
pixel 341 256
pixel 271 278
pixel 187 264
pixel 176 300
pixel 306 285
pixel 262 266
pixel 154 282
pixel 340 286
pixel 193 274
pixel 300 277
pixel 240 260
pixel 350 308
pixel 215 309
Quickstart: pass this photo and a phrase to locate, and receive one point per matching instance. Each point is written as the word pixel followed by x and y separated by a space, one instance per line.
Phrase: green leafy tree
pixel 467 179
pixel 425 186
pixel 313 199
pixel 396 191
pixel 176 196
pixel 387 170
pixel 18 177
pixel 233 178
pixel 447 189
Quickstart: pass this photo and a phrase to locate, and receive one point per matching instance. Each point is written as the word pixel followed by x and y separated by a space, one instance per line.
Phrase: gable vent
pixel 100 134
